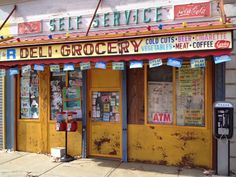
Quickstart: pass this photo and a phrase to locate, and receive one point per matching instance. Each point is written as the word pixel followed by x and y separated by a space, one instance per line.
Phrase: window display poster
pixel 72 105
pixel 105 106
pixel 29 93
pixel 75 78
pixel 190 96
pixel 71 93
pixel 56 104
pixel 57 84
pixel 160 102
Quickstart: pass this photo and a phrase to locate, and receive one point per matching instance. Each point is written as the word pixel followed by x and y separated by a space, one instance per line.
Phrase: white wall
pixel 33 10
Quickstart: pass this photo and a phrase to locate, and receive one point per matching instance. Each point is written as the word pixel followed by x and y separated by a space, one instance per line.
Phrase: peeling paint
pixel 157 136
pixel 114 152
pixel 187 160
pixel 138 146
pixel 98 143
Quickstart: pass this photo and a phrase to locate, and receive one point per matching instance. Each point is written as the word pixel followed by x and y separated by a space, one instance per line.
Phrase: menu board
pixel 57 83
pixel 160 102
pixel 190 96
pixel 29 93
pixel 105 106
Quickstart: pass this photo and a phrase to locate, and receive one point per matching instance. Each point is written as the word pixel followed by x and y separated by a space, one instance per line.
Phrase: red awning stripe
pixel 191 54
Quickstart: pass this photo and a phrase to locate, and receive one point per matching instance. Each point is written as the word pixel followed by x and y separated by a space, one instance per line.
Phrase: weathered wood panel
pixel 135 96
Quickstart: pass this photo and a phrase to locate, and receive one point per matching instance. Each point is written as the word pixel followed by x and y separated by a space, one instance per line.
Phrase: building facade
pixel 141 82
pixel 230 82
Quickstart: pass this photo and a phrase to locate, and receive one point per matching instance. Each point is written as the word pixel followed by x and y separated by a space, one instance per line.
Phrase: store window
pixel 57 83
pixel 29 95
pixel 66 93
pixel 160 93
pixel 175 96
pixel 190 96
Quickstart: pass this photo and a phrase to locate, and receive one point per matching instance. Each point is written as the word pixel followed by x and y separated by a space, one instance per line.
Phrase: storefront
pixel 152 99
pixel 137 93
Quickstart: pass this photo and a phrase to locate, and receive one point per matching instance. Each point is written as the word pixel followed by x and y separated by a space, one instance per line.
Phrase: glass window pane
pixel 29 95
pixel 57 83
pixel 160 101
pixel 190 96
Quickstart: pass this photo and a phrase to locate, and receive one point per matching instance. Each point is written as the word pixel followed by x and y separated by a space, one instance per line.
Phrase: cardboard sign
pixel 14 71
pixel 198 63
pixel 38 67
pixel 155 63
pixel 221 59
pixel 69 67
pixel 85 66
pixel 2 72
pixel 162 118
pixel 26 69
pixel 136 64
pixel 100 65
pixel 174 62
pixel 118 65
pixel 55 68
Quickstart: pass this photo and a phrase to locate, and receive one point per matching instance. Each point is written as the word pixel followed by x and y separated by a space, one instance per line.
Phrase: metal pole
pixel 8 17
pixel 93 17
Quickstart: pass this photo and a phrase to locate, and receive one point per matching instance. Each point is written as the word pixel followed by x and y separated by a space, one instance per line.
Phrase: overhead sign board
pixel 157 44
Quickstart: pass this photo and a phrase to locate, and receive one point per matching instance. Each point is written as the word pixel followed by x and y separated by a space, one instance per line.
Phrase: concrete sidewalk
pixel 22 164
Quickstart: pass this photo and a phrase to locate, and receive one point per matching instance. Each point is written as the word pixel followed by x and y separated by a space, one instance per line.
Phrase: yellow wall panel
pixel 57 139
pixel 105 140
pixel 170 145
pixel 29 136
pixel 106 78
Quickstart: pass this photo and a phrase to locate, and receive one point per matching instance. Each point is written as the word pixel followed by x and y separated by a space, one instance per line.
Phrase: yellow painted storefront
pixel 166 144
pixel 161 144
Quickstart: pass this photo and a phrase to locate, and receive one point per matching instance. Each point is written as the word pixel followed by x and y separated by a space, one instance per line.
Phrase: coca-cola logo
pixel 222 44
pixel 192 10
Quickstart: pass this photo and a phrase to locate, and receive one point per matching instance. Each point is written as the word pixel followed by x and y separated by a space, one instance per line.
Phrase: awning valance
pixel 192 54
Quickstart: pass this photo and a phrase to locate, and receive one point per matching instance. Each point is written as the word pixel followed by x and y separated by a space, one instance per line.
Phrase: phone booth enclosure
pixel 223 120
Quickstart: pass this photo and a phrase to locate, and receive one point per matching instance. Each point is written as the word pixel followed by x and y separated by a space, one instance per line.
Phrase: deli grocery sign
pixel 194 10
pixel 157 44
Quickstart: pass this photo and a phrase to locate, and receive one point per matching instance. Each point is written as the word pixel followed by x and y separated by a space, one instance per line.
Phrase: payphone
pixel 223 131
pixel 223 120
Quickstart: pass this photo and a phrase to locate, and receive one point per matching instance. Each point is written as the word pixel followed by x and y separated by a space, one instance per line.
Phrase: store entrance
pixel 105 113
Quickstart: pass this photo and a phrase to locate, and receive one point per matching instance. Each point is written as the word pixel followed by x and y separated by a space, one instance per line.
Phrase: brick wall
pixel 230 80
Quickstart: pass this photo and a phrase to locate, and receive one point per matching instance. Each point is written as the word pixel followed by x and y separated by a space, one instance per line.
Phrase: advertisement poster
pixel 105 106
pixel 71 93
pixel 190 96
pixel 72 101
pixel 160 102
